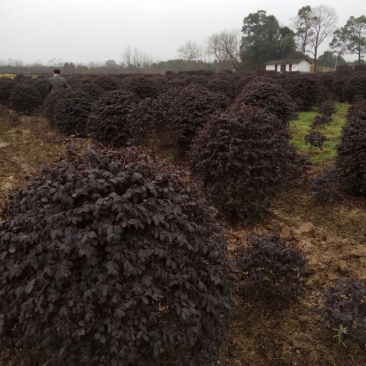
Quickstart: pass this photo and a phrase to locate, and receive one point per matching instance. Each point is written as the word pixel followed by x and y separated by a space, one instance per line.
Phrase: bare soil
pixel 333 236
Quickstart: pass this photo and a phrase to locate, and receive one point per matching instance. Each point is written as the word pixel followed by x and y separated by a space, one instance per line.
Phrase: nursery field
pixel 333 236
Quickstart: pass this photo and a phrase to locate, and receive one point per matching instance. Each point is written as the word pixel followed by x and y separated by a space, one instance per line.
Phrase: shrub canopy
pixel 107 121
pixel 25 98
pixel 71 112
pixel 351 152
pixel 242 158
pixel 269 96
pixel 113 258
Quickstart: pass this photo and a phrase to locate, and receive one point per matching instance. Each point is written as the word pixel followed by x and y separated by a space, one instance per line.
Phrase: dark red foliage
pixel 269 96
pixel 242 158
pixel 345 304
pixel 320 120
pixel 304 89
pixel 71 112
pixel 6 86
pixel 325 186
pixel 188 109
pixel 358 110
pixel 327 107
pixel 326 79
pixel 25 98
pixel 93 90
pixel 271 271
pixel 315 139
pixel 351 155
pixel 225 84
pixel 147 118
pixel 355 87
pixel 360 67
pixel 107 83
pixel 41 85
pixel 338 86
pixel 142 86
pixel 107 121
pixel 113 258
pixel 344 70
pixel 50 101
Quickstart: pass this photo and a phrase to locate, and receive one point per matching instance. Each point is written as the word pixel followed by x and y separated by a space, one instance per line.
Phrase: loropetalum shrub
pixel 142 86
pixel 188 109
pixel 41 85
pixel 344 70
pixel 355 87
pixel 242 158
pixel 345 305
pixel 272 271
pixel 113 258
pixel 50 102
pixel 338 86
pixel 351 156
pixel 25 98
pixel 146 118
pixel 225 84
pixel 320 120
pixel 303 89
pixel 6 86
pixel 71 112
pixel 357 109
pixel 148 123
pixel 269 96
pixel 107 121
pixel 107 83
pixel 326 79
pixel 327 107
pixel 325 186
pixel 315 139
pixel 94 90
pixel 359 67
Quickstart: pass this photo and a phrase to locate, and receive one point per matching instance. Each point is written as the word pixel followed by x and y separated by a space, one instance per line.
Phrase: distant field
pixel 322 69
pixel 9 76
pixel 300 127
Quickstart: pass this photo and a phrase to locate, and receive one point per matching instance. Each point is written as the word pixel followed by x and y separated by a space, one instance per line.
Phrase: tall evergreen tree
pixel 352 37
pixel 263 39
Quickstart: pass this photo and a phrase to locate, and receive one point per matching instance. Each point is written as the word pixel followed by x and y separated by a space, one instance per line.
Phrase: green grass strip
pixel 301 126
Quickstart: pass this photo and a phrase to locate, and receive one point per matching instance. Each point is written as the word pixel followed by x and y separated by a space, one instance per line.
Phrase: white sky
pixel 84 31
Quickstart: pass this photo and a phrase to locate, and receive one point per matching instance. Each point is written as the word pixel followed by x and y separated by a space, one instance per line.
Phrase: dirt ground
pixel 333 236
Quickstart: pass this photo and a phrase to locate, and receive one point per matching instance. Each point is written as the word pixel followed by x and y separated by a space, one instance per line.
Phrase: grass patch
pixel 9 76
pixel 301 126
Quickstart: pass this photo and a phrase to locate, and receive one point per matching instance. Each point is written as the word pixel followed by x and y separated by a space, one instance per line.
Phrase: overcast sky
pixel 84 31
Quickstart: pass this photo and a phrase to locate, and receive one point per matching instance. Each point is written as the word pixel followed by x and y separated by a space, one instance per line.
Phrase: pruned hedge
pixel 112 258
pixel 242 158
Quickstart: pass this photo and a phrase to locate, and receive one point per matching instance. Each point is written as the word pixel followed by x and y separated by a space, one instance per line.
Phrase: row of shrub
pixel 116 257
pixel 348 173
pixel 305 90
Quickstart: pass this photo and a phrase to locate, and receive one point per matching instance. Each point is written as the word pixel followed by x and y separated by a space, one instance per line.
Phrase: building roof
pixel 287 61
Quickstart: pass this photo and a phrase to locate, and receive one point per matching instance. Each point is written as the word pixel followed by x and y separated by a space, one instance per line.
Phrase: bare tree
pixel 191 51
pixel 225 46
pixel 303 30
pixel 323 24
pixel 312 26
pixel 136 59
pixel 127 56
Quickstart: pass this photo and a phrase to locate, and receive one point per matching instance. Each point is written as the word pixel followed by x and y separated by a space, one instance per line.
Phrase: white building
pixel 289 65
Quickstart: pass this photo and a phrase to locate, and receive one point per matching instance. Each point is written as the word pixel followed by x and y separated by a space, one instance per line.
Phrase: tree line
pixel 263 39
